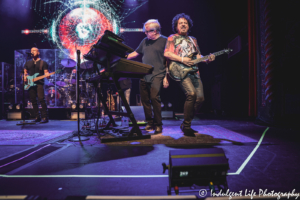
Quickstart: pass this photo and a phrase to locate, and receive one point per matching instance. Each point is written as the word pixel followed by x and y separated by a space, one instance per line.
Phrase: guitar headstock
pixel 228 50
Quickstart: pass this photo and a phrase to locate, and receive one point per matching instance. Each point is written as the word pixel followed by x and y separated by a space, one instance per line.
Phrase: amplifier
pixel 74 115
pixel 14 115
pixel 197 166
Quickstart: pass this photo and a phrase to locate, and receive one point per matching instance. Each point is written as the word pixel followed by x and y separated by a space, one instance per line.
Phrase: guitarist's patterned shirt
pixel 182 46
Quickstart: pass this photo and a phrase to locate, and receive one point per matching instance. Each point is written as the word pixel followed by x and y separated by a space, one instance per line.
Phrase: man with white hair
pixel 152 47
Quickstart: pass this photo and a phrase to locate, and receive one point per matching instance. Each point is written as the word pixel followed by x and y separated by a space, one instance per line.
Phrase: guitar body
pixel 178 71
pixel 30 81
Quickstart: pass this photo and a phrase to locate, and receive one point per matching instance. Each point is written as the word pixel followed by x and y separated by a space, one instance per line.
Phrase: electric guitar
pixel 31 79
pixel 178 70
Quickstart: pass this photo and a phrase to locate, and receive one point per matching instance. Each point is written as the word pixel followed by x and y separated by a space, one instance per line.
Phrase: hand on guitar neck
pixel 211 57
pixel 47 74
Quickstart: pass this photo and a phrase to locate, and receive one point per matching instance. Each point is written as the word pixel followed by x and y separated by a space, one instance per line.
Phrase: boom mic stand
pixel 79 138
pixel 23 99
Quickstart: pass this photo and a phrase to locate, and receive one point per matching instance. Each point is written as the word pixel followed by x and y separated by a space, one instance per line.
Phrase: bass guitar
pixel 31 79
pixel 178 70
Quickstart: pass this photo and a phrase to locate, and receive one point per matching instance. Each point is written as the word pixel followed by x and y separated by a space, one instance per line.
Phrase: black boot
pixel 158 129
pixel 44 120
pixel 187 131
pixel 149 127
pixel 182 127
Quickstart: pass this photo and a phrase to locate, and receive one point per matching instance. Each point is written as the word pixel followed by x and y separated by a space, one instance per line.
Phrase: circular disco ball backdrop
pixel 71 24
pixel 81 28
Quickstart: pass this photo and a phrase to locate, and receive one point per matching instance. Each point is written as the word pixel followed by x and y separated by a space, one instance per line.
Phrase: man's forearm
pixel 172 56
pixel 132 55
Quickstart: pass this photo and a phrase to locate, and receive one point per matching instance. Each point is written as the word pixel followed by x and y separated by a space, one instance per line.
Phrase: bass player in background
pixel 36 65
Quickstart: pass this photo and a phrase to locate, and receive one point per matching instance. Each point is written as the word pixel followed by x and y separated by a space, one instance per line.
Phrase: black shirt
pixel 35 68
pixel 153 54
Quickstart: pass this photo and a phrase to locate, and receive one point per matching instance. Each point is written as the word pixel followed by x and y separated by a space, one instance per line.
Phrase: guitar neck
pixel 206 57
pixel 41 77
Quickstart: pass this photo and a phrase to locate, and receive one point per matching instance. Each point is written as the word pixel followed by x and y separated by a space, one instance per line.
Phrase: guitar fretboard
pixel 41 77
pixel 206 57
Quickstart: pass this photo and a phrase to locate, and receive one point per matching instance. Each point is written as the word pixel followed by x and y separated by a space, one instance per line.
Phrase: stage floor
pixel 41 160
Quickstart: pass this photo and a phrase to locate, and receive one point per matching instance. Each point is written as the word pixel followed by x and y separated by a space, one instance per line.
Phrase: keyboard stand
pixel 135 133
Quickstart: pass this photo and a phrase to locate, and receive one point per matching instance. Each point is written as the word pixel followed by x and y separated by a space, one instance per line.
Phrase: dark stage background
pixel 216 24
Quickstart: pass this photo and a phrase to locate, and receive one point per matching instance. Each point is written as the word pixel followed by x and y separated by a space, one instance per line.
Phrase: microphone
pixel 29 54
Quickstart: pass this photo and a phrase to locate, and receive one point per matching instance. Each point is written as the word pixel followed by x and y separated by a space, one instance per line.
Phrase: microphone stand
pixel 23 98
pixel 79 138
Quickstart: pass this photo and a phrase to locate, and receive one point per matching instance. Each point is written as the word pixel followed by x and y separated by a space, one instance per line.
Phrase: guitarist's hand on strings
pixel 187 61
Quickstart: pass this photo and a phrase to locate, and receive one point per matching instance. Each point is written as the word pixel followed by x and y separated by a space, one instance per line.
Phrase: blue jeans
pixel 193 89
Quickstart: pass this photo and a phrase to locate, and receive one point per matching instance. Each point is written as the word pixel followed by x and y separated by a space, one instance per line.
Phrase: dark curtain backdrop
pixel 282 21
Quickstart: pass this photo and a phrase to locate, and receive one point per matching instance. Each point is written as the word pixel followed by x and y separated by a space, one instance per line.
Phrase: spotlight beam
pixel 26 31
pixel 46 31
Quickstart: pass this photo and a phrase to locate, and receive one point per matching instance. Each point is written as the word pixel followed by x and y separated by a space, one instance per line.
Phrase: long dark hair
pixel 177 17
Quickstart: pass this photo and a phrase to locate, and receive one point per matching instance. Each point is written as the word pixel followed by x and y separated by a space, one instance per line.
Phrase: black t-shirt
pixel 153 54
pixel 35 68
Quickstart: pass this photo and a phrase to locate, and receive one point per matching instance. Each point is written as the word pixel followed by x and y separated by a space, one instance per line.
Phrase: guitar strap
pixel 193 43
pixel 41 65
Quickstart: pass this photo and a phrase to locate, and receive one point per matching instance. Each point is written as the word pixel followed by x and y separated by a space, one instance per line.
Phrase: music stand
pixel 79 138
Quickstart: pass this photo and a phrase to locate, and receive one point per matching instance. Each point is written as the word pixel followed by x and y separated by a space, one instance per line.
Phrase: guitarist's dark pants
pixel 150 94
pixel 193 89
pixel 34 92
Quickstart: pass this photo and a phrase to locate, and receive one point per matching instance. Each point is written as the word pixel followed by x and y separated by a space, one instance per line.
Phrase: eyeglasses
pixel 151 30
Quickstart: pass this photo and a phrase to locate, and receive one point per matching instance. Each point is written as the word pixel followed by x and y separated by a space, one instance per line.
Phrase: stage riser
pixel 68 113
pixel 53 113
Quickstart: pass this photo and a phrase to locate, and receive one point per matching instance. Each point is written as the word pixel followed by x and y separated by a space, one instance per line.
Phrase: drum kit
pixel 65 90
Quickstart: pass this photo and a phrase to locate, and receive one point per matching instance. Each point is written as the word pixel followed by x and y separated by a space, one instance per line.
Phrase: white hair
pixel 152 21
